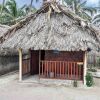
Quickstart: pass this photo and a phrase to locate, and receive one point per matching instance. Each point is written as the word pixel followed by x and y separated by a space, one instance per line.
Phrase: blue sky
pixel 22 2
pixel 92 2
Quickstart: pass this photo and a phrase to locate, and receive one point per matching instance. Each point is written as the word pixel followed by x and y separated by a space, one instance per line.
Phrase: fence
pixel 61 70
pixel 93 61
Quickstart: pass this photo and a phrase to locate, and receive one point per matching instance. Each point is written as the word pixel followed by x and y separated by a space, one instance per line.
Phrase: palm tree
pixel 11 13
pixel 96 18
pixel 79 7
pixel 1 7
pixel 30 8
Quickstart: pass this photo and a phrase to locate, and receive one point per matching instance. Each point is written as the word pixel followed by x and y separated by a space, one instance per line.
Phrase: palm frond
pixel 96 21
pixel 90 10
pixel 97 16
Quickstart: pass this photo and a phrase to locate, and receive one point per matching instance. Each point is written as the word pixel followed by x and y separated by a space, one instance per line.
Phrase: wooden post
pixel 20 64
pixel 39 61
pixel 85 67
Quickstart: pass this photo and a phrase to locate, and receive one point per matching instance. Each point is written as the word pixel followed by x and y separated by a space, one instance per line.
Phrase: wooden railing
pixel 25 66
pixel 61 70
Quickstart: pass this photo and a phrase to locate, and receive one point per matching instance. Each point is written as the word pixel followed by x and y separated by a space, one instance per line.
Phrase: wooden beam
pixel 20 64
pixel 85 67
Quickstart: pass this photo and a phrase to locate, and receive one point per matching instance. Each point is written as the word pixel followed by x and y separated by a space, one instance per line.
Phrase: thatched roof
pixel 53 27
pixel 3 29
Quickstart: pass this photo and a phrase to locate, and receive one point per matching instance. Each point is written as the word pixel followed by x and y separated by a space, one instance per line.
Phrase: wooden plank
pixel 80 72
pixel 85 66
pixel 60 70
pixel 74 70
pixel 20 64
pixel 71 69
pixel 47 69
pixel 55 70
pixel 63 70
pixel 42 69
pixel 51 66
pixel 68 70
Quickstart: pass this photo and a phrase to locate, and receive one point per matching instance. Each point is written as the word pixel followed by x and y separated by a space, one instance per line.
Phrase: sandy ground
pixel 11 89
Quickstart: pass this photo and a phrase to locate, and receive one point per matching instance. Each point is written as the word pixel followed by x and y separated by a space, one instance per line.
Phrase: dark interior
pixel 34 68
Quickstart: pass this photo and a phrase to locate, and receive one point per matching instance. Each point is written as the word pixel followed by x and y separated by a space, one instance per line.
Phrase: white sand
pixel 11 89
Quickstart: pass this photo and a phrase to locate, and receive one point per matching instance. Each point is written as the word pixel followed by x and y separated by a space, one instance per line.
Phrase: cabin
pixel 53 43
pixel 8 62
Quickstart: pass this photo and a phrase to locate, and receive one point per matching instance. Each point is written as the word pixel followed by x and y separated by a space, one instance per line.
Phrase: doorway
pixel 34 63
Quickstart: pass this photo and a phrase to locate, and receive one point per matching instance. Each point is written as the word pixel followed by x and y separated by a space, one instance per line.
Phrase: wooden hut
pixel 53 43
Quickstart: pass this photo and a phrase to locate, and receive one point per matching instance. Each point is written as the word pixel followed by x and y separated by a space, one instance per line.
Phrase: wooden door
pixel 34 62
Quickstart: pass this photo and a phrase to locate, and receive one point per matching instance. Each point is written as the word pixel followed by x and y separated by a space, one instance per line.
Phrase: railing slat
pixel 47 68
pixel 63 71
pixel 60 69
pixel 71 70
pixel 42 68
pixel 74 69
pixel 68 71
pixel 55 69
pixel 77 72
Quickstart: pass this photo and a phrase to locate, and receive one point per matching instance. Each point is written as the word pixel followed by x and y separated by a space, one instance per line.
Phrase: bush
pixel 89 80
pixel 98 63
pixel 92 70
pixel 75 83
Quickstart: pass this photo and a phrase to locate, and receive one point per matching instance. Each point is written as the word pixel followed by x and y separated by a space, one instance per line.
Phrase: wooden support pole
pixel 20 64
pixel 85 67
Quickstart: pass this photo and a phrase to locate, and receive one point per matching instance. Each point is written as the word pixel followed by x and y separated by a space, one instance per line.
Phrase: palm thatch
pixel 3 29
pixel 53 27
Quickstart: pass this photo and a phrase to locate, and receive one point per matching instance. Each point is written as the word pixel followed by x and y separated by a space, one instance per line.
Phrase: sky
pixel 93 3
pixel 23 2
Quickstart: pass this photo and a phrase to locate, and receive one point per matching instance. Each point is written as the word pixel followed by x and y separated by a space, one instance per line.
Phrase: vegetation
pixel 96 18
pixel 92 70
pixel 89 80
pixel 75 83
pixel 94 64
pixel 98 63
pixel 11 13
pixel 79 7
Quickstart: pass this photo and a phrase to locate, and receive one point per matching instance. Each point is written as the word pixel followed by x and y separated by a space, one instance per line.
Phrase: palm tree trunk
pixel 31 3
pixel 99 4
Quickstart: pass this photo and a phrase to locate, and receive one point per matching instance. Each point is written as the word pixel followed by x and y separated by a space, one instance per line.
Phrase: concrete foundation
pixel 57 82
